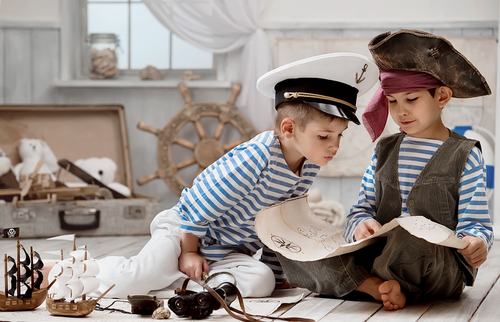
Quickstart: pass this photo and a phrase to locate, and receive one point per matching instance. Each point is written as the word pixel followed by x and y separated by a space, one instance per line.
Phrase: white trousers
pixel 155 270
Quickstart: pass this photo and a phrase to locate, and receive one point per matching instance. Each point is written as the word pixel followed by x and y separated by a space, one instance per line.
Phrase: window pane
pixel 111 18
pixel 187 56
pixel 150 40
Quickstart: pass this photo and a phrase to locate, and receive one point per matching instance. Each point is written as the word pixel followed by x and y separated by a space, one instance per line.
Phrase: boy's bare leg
pixel 389 292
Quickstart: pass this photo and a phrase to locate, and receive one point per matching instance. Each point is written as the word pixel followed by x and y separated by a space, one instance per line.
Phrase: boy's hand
pixel 476 252
pixel 366 229
pixel 193 264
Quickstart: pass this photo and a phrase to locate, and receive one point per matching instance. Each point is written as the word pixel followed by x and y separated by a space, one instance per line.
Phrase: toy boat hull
pixel 65 308
pixel 12 303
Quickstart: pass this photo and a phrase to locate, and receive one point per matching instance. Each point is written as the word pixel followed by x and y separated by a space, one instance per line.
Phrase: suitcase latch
pixel 135 212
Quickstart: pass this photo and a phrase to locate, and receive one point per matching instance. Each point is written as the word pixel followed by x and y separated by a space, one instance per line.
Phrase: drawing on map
pixel 281 242
pixel 423 223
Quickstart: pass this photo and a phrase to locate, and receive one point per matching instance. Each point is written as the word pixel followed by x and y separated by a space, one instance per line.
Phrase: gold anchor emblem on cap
pixel 359 79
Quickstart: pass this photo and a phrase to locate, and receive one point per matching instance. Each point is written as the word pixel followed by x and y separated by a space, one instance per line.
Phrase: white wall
pixel 381 11
pixel 30 10
pixel 306 11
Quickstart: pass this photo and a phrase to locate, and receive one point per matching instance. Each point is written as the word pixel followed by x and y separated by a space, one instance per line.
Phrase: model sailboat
pixel 75 278
pixel 23 292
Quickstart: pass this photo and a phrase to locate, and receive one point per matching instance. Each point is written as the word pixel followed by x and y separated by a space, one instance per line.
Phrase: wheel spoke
pixel 231 145
pixel 185 143
pixel 219 129
pixel 223 119
pixel 199 128
pixel 185 163
pixel 146 179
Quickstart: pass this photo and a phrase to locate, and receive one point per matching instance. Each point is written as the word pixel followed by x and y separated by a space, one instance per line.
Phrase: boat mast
pixel 32 271
pixel 84 297
pixel 6 280
pixel 18 267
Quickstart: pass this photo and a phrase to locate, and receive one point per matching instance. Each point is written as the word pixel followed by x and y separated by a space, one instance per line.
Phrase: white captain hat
pixel 330 82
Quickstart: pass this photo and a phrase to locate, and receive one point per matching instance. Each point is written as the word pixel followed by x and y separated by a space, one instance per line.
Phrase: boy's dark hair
pixel 301 113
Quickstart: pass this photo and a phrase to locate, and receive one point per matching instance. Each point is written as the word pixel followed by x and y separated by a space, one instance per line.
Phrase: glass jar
pixel 102 51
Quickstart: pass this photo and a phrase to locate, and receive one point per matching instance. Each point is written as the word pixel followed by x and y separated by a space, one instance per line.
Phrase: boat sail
pixel 75 278
pixel 24 292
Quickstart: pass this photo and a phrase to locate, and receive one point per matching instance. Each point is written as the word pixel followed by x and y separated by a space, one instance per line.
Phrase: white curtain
pixel 221 26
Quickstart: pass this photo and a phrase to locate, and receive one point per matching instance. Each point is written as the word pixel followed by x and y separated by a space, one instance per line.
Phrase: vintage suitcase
pixel 75 132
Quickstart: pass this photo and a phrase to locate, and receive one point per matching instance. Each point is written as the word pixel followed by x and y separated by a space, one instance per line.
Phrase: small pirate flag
pixel 10 232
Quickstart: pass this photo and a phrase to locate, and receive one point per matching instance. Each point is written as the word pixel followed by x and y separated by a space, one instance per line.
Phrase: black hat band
pixel 318 96
pixel 316 90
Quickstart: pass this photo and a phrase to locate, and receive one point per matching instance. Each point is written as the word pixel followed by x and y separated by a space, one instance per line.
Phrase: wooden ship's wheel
pixel 208 149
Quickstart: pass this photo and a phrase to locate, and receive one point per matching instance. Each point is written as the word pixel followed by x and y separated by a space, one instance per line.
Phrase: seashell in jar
pixel 103 63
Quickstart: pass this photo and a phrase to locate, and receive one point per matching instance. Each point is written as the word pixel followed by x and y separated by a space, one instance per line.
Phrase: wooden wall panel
pixel 45 64
pixel 18 66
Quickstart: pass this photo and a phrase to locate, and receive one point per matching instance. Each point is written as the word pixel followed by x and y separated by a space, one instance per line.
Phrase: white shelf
pixel 130 83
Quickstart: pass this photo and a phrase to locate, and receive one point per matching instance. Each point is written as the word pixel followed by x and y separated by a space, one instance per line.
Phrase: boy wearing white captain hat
pixel 315 98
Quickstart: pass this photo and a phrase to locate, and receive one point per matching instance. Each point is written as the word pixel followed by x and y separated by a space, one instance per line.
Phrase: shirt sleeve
pixel 269 258
pixel 473 214
pixel 221 186
pixel 365 208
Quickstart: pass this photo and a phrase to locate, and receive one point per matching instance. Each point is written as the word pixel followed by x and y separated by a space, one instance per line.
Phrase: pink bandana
pixel 393 81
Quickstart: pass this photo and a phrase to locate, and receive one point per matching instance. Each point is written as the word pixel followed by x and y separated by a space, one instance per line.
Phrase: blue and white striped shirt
pixel 414 153
pixel 221 205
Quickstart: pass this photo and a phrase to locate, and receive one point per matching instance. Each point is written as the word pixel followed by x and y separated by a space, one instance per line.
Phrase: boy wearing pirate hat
pixel 211 228
pixel 426 170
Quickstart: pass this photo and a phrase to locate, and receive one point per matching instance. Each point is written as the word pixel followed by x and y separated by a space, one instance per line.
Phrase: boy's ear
pixel 287 127
pixel 445 93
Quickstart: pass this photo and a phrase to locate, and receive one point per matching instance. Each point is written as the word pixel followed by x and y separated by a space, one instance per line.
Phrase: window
pixel 143 40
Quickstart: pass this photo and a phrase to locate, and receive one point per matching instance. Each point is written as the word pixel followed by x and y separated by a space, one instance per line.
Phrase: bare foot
pixel 392 296
pixel 389 292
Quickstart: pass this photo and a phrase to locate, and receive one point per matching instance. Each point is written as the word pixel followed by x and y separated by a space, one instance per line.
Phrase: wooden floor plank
pixel 313 307
pixel 119 246
pixel 490 308
pixel 353 311
pixel 409 314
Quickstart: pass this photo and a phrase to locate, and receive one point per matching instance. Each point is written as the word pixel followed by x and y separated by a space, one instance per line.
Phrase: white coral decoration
pixel 161 313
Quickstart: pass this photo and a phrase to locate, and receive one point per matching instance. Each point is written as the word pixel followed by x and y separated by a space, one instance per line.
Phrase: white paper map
pixel 267 305
pixel 293 230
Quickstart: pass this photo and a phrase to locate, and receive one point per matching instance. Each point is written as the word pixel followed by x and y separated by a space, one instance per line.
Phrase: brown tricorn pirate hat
pixel 419 51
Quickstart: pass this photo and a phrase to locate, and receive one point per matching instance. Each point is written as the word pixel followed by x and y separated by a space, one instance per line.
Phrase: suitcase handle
pixel 93 225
